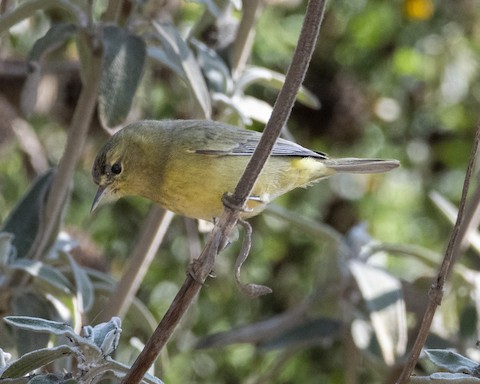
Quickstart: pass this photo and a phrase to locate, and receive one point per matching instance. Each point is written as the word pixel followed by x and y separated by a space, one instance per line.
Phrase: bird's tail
pixel 353 165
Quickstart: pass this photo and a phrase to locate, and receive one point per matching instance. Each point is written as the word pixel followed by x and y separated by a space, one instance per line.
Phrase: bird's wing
pixel 226 140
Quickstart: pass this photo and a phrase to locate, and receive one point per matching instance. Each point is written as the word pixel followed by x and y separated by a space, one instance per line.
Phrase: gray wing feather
pixel 223 140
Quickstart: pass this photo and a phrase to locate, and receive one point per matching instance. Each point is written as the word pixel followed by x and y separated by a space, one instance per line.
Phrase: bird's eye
pixel 116 168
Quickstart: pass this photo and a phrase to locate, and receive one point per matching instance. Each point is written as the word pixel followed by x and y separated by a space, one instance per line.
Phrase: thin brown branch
pixel 194 281
pixel 285 100
pixel 77 133
pixel 435 293
pixel 242 45
pixel 219 235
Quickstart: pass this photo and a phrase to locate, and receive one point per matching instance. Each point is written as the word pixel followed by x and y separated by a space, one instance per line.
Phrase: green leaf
pixel 30 304
pixel 18 380
pixel 179 55
pixel 383 296
pixel 50 378
pixel 39 270
pixel 4 357
pixel 36 359
pixel 36 324
pixel 24 221
pixel 449 378
pixel 122 69
pixel 253 108
pixel 214 68
pixel 7 250
pixel 55 37
pixel 451 361
pixel 267 77
pixel 313 331
pixel 83 285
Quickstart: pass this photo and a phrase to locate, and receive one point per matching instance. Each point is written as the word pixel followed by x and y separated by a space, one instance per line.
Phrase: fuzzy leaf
pixel 449 378
pixel 122 69
pixel 180 56
pixel 30 304
pixel 83 285
pixel 214 68
pixel 25 219
pixel 36 359
pixel 56 36
pixel 7 250
pixel 451 361
pixel 275 80
pixel 383 297
pixel 41 271
pixel 314 331
pixel 36 324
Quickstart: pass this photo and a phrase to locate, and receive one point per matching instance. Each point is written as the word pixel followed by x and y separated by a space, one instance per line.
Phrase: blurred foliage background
pixel 394 79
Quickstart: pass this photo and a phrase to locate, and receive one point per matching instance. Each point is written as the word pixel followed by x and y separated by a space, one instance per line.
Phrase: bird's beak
pixel 105 194
pixel 98 197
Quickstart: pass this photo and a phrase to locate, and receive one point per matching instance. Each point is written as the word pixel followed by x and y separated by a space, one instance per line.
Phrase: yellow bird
pixel 187 165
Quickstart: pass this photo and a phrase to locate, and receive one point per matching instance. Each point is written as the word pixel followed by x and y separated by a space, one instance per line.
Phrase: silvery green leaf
pixel 275 80
pixel 254 108
pixel 451 361
pixel 41 271
pixel 55 37
pixel 178 52
pixel 26 303
pixel 214 68
pixel 110 342
pixel 36 359
pixel 87 333
pixel 309 332
pixel 162 56
pixel 448 378
pixel 4 357
pixel 106 335
pixel 36 324
pixel 18 380
pixel 83 285
pixel 122 69
pixel 220 98
pixel 25 219
pixel 383 297
pixel 450 211
pixel 100 277
pixel 7 250
pixel 50 378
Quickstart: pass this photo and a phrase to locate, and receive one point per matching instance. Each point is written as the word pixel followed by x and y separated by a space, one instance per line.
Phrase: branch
pixel 242 45
pixel 435 293
pixel 28 8
pixel 219 235
pixel 77 133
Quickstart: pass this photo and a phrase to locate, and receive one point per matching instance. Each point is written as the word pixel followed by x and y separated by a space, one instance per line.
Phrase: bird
pixel 186 166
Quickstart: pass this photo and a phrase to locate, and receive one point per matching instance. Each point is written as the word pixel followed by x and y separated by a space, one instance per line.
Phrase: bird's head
pixel 109 171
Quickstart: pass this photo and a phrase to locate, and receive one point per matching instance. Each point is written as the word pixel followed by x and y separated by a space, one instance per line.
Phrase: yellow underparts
pixel 196 191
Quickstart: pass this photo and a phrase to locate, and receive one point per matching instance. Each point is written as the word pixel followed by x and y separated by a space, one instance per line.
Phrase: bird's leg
pixel 248 289
pixel 234 205
pixel 229 202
